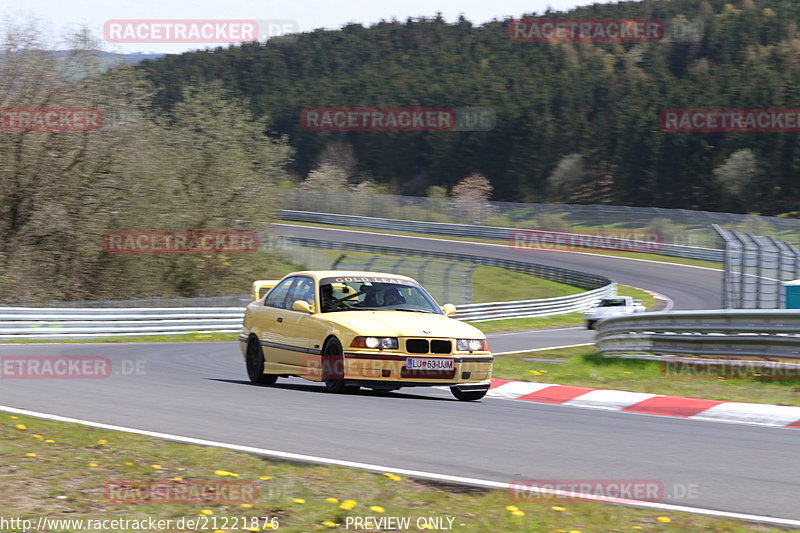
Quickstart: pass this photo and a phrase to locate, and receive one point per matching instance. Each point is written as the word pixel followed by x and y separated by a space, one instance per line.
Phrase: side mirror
pixel 449 309
pixel 302 306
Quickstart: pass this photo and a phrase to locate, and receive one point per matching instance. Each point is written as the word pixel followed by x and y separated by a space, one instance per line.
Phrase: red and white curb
pixel 650 404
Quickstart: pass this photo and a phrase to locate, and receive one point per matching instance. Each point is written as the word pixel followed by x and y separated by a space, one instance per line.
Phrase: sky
pixel 59 16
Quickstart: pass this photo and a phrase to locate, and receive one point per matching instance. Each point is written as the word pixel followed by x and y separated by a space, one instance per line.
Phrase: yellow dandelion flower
pixel 535 372
pixel 206 512
pixel 265 478
pixel 664 519
pixel 30 455
pixel 332 500
pixel 252 529
pixel 177 479
pixel 627 372
pixel 21 426
pixel 128 463
pixel 157 467
pixel 518 513
pixel 12 417
pixel 328 523
pixel 558 508
pixel 49 441
pixel 512 508
pixel 91 464
pixel 38 437
pixel 218 531
pixel 348 505
pixel 377 509
pixel 225 473
pixel 298 500
pixel 574 531
pixel 245 506
pixel 102 441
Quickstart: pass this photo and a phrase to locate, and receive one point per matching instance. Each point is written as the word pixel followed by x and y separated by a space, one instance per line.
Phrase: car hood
pixel 402 324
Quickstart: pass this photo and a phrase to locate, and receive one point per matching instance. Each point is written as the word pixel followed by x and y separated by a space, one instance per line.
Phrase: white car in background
pixel 608 307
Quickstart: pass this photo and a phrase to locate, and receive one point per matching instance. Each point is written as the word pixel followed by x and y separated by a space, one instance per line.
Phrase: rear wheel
pixel 333 368
pixel 255 364
pixel 468 396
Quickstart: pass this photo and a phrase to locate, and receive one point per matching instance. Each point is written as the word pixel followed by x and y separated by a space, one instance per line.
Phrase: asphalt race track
pixel 200 390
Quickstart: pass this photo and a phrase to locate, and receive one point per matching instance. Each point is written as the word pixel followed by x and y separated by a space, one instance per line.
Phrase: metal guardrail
pixel 489 232
pixel 534 308
pixel 64 323
pixel 18 323
pixel 725 332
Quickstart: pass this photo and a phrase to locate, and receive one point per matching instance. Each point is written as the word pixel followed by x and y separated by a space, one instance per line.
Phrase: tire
pixel 255 364
pixel 333 369
pixel 468 396
pixel 590 324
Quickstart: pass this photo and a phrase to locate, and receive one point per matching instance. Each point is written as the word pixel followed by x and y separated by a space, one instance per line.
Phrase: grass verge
pixel 62 470
pixel 583 367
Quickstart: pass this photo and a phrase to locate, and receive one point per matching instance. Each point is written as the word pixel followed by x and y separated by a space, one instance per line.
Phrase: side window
pixel 277 296
pixel 303 289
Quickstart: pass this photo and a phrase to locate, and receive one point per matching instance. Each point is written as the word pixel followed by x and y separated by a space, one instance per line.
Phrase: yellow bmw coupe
pixel 361 329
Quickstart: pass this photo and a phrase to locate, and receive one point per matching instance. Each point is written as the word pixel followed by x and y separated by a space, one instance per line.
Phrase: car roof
pixel 319 274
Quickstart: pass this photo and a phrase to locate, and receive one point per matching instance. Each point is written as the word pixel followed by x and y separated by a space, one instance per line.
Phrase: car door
pixel 273 329
pixel 301 329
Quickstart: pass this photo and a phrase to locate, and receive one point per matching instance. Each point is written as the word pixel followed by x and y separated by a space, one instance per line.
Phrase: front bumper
pixel 391 368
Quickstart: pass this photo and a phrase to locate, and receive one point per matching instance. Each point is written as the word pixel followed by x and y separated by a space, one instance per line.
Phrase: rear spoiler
pixel 260 284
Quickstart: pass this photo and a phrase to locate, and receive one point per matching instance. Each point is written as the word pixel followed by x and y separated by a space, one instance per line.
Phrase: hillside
pixel 596 102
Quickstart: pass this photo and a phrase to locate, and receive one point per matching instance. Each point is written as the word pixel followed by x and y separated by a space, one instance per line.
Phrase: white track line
pixel 411 473
pixel 506 246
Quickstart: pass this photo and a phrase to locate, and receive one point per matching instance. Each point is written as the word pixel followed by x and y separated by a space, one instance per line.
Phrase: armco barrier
pixel 480 232
pixel 718 333
pixel 64 323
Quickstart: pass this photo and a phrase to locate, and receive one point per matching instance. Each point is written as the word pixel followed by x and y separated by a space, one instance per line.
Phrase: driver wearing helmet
pixel 392 296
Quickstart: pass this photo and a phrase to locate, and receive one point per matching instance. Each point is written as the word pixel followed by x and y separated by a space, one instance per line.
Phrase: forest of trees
pixel 575 122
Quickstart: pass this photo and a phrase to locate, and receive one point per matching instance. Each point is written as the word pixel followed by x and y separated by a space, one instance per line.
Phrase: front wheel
pixel 333 369
pixel 255 364
pixel 468 396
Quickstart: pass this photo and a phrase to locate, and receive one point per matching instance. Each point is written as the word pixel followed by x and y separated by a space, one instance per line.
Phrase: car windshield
pixel 612 302
pixel 375 296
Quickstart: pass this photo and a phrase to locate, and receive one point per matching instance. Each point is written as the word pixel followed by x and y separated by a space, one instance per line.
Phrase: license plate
pixel 429 363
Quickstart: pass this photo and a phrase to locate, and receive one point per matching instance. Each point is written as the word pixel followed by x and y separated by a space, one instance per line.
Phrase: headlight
pixel 383 343
pixel 472 345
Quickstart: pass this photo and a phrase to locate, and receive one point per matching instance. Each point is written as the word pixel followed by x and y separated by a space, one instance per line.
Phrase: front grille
pixel 424 346
pixel 417 346
pixel 441 346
